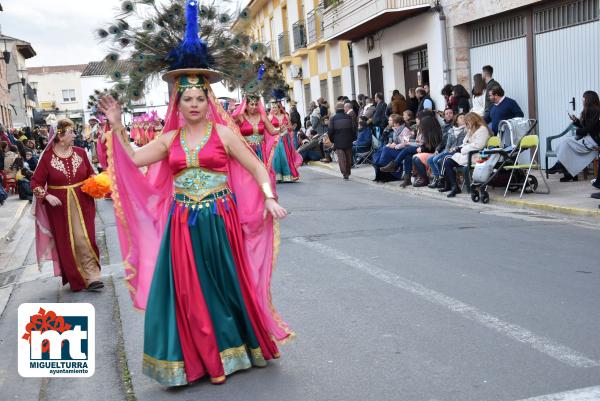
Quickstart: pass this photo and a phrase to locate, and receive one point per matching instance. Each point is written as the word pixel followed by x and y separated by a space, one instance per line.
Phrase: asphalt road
pixel 396 297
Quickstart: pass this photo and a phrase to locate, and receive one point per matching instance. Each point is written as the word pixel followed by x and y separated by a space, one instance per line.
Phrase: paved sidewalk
pixel 571 198
pixel 10 213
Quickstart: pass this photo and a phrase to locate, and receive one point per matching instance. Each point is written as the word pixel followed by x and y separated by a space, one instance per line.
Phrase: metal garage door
pixel 567 64
pixel 502 44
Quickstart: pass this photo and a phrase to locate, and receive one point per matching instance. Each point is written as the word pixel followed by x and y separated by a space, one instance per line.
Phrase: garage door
pixel 502 44
pixel 567 63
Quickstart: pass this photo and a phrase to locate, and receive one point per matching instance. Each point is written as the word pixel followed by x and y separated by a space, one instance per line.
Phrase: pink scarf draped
pixel 142 205
pixel 45 246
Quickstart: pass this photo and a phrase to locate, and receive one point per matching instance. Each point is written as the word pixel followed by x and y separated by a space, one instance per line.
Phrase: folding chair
pixel 526 143
pixel 361 158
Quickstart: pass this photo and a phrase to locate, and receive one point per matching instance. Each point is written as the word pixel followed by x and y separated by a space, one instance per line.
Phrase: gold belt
pixel 66 186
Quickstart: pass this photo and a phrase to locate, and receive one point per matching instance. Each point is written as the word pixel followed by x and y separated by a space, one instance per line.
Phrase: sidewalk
pixel 571 198
pixel 10 213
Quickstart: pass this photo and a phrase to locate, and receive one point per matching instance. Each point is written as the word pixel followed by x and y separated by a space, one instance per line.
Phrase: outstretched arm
pixel 239 150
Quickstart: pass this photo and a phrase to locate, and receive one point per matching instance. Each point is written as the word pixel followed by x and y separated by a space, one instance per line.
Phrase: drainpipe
pixel 352 70
pixel 440 10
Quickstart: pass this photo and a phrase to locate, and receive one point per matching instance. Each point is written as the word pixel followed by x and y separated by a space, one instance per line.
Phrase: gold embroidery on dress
pixel 76 162
pixel 57 164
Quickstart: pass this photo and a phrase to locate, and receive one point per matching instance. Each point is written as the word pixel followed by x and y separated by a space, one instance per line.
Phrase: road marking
pixel 583 394
pixel 542 344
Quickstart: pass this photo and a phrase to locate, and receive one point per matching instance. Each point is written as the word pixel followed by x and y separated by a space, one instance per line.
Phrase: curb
pixel 525 204
pixel 20 212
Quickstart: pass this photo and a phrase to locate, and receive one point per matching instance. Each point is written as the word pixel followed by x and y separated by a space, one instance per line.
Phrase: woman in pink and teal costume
pixel 208 200
pixel 286 160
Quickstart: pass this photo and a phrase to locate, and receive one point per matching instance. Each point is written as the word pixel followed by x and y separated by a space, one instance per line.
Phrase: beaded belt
pixel 254 139
pixel 206 201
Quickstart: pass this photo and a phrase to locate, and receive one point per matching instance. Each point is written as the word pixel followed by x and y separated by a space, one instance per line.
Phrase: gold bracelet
pixel 267 190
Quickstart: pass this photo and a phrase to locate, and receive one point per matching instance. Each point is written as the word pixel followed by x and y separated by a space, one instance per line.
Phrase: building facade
pixel 22 97
pixel 293 32
pixel 544 53
pixel 58 90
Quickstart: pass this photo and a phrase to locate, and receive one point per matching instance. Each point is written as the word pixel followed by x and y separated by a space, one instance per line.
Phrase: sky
pixel 60 31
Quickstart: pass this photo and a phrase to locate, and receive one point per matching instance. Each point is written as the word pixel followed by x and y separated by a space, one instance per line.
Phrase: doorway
pixel 416 68
pixel 376 75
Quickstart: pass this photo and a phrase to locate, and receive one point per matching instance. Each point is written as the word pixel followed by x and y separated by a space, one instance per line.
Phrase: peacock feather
pixel 148 37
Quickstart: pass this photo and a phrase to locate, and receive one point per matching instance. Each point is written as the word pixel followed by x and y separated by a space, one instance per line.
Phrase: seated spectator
pixel 461 98
pixel 475 140
pixel 502 108
pixel 419 160
pixel 31 160
pixel 575 153
pixel 23 176
pixel 9 159
pixel 3 150
pixel 428 138
pixel 310 146
pixel 451 142
pixel 364 138
pixel 401 137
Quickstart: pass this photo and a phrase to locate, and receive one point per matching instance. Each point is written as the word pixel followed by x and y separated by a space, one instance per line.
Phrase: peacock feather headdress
pixel 177 35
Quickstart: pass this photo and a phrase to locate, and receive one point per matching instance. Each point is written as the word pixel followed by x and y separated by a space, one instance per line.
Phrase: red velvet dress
pixel 72 223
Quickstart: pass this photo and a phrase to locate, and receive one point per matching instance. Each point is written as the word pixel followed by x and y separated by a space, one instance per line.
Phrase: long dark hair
pixel 478 85
pixel 431 132
pixel 591 103
pixel 460 91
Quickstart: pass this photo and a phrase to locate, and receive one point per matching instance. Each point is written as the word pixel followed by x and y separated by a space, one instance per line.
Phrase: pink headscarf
pixel 142 205
pixel 45 246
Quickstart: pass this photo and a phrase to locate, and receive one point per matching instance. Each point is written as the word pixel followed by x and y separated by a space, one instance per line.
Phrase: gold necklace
pixel 65 155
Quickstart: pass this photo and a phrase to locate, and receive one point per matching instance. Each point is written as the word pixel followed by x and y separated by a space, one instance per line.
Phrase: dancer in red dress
pixel 65 229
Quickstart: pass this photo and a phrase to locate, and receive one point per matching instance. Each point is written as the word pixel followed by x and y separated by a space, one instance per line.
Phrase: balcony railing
pixel 283 40
pixel 314 25
pixel 299 32
pixel 340 16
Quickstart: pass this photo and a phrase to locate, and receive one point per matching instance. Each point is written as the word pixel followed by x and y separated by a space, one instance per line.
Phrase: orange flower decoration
pixel 97 186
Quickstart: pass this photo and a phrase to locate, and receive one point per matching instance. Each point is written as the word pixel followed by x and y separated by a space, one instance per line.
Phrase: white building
pixel 59 90
pixel 22 94
pixel 545 54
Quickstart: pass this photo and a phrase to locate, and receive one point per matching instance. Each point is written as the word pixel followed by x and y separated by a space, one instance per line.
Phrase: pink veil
pixel 142 205
pixel 45 247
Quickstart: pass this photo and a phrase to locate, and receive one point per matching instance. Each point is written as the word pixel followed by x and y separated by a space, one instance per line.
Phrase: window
pixel 337 87
pixel 324 89
pixel 566 14
pixel 68 95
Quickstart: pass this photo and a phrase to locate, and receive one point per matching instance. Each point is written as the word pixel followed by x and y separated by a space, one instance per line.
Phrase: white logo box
pixel 77 363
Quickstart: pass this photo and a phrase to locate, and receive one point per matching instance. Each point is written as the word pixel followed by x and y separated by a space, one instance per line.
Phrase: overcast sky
pixel 60 31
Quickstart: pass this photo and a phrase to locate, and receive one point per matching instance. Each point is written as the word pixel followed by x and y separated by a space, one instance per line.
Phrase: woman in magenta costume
pixel 65 230
pixel 286 160
pixel 207 199
pixel 257 130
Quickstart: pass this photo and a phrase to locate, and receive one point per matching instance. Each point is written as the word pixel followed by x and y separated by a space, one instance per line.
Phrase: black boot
pixel 557 168
pixel 568 177
pixel 406 181
pixel 391 167
pixel 441 182
pixel 453 191
pixel 446 186
pixel 434 182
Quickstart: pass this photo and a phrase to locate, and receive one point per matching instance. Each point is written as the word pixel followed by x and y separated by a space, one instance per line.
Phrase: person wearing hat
pixel 208 201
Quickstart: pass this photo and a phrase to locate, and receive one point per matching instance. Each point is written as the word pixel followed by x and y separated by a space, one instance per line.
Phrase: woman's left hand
pixel 271 206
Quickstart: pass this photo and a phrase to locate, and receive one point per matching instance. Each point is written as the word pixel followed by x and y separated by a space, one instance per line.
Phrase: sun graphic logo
pixel 56 340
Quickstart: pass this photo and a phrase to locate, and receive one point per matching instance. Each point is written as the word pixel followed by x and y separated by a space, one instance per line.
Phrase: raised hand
pixel 111 109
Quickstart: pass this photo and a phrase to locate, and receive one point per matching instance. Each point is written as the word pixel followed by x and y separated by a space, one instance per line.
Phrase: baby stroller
pixel 492 168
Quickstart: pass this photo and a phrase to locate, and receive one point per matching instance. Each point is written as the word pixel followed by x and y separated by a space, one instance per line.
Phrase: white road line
pixel 545 345
pixel 584 394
